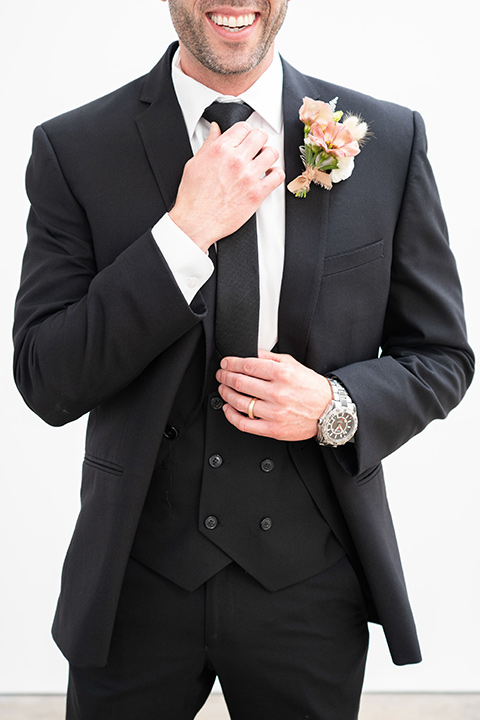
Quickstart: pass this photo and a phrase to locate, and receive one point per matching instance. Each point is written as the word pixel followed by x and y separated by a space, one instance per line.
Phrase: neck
pixel 233 84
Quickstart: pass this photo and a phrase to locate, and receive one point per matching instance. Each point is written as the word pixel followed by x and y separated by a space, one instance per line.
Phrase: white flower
pixel 344 169
pixel 357 127
pixel 333 103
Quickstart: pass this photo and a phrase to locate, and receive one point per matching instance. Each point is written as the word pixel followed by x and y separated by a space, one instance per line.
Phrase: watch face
pixel 339 427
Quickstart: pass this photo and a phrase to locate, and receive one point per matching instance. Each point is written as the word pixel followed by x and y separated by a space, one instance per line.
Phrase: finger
pixel 273 178
pixel 252 143
pixel 245 385
pixel 265 160
pixel 244 424
pixel 254 367
pixel 243 403
pixel 236 134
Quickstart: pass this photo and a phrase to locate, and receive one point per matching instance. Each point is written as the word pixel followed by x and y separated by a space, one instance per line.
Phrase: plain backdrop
pixel 57 55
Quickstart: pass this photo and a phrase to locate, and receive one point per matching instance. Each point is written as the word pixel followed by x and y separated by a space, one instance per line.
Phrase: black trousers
pixel 295 654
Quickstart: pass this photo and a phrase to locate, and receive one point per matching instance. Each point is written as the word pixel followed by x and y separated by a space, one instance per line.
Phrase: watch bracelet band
pixel 341 398
pixel 341 401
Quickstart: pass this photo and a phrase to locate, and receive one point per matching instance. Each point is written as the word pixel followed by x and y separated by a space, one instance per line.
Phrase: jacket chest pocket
pixel 357 258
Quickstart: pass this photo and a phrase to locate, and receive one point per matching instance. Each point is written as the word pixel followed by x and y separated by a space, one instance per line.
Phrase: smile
pixel 233 24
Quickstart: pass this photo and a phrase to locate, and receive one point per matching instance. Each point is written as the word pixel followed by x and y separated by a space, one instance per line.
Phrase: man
pixel 216 536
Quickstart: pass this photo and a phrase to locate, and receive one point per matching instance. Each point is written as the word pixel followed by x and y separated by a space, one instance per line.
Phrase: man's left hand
pixel 289 396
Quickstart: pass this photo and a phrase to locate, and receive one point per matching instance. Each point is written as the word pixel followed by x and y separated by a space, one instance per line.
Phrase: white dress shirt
pixel 190 266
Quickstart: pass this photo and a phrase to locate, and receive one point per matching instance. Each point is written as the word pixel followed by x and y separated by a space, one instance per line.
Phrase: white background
pixel 57 55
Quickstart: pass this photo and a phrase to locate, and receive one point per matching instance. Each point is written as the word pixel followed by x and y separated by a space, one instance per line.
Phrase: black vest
pixel 219 495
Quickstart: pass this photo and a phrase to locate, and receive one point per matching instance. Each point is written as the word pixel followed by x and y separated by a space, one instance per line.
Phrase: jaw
pixel 230 47
pixel 234 82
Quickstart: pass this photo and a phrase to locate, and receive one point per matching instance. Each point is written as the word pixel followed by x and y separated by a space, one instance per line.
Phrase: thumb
pixel 214 133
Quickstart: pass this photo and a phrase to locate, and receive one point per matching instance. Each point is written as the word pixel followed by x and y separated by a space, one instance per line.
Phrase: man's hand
pixel 290 396
pixel 225 183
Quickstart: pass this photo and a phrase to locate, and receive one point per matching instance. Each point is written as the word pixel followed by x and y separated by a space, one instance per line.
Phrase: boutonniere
pixel 329 146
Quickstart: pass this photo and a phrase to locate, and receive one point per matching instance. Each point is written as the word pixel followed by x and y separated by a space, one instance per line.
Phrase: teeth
pixel 232 22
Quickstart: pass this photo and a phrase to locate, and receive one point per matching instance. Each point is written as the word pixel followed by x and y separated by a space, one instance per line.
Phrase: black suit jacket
pixel 102 327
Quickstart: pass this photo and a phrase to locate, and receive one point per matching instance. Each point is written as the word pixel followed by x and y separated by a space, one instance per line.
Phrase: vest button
pixel 170 433
pixel 215 461
pixel 266 523
pixel 216 403
pixel 267 465
pixel 211 522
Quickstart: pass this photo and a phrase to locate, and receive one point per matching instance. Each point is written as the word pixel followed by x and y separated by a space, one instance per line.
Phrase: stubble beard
pixel 198 45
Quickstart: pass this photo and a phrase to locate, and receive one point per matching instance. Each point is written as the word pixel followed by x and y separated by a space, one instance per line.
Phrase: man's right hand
pixel 225 183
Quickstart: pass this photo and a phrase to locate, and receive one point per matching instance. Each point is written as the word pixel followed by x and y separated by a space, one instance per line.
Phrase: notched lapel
pixel 167 146
pixel 305 231
pixel 163 130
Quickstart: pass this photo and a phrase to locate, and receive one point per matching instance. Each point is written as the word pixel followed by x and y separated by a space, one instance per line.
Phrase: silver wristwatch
pixel 339 422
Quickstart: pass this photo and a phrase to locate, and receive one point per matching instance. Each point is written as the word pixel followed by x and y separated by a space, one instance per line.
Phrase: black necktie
pixel 238 294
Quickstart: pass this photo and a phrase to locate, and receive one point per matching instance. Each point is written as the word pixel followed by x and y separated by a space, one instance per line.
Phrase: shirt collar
pixel 265 95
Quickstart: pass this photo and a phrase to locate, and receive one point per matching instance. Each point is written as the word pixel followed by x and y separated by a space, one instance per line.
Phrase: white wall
pixel 57 55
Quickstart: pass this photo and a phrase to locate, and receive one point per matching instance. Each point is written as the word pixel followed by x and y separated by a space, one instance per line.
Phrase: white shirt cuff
pixel 190 266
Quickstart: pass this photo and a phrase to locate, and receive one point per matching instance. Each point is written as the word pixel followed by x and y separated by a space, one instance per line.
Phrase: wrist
pixel 190 229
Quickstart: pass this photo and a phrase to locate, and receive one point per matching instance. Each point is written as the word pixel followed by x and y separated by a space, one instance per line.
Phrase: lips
pixel 231 23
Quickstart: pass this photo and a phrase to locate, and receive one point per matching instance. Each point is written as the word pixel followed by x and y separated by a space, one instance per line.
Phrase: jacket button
pixel 211 522
pixel 215 461
pixel 267 465
pixel 170 433
pixel 216 403
pixel 266 523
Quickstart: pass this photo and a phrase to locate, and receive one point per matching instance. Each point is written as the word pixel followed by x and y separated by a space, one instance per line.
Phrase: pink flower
pixel 335 139
pixel 315 111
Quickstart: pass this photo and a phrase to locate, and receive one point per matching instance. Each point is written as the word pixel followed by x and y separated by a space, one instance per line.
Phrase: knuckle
pixel 258 134
pixel 282 373
pixel 277 414
pixel 242 128
pixel 245 184
pixel 235 165
pixel 274 177
pixel 230 414
pixel 242 425
pixel 271 151
pixel 254 195
pixel 215 150
pixel 238 384
pixel 226 393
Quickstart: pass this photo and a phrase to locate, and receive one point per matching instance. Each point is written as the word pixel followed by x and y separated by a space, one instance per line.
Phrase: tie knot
pixel 227 114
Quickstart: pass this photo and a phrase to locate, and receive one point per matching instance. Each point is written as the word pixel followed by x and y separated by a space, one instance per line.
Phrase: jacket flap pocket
pixel 104 465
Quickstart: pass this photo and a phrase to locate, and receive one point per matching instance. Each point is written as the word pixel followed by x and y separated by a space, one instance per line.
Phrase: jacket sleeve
pixel 82 335
pixel 426 364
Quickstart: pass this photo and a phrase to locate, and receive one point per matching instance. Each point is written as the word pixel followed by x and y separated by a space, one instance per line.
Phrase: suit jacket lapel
pixel 305 232
pixel 163 130
pixel 167 146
